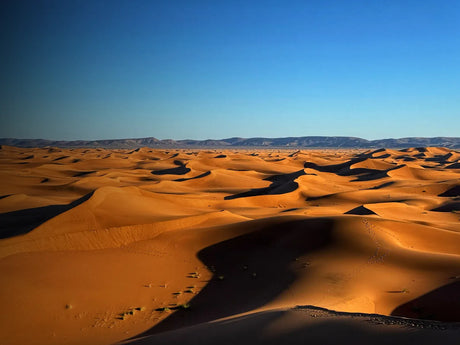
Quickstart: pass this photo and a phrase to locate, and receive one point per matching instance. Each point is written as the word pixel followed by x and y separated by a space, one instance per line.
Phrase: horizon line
pixel 234 137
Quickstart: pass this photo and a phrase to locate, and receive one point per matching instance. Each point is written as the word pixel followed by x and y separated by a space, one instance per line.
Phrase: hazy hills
pixel 294 142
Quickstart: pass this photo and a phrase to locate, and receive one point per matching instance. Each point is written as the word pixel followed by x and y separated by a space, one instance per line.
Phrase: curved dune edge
pixel 97 248
pixel 309 324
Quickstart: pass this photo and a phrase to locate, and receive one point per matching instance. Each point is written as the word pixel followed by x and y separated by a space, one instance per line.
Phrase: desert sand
pixel 229 246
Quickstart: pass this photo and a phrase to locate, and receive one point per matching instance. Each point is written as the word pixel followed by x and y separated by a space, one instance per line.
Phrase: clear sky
pixel 217 69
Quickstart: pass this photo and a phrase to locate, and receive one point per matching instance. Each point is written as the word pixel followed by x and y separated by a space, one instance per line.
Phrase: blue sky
pixel 217 69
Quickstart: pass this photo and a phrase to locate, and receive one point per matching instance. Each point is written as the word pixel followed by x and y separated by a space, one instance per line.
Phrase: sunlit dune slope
pixel 100 246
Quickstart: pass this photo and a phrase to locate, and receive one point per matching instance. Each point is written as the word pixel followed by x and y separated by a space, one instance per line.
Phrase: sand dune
pixel 210 246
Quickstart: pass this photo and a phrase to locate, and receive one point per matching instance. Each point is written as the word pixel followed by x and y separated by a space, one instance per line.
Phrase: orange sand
pixel 96 243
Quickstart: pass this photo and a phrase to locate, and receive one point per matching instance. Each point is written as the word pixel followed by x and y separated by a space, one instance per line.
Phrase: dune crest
pixel 149 246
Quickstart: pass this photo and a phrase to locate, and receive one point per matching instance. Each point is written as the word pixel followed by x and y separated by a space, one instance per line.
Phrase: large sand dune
pixel 203 247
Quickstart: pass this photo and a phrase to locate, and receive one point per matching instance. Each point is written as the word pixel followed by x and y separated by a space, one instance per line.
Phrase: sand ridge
pixel 99 246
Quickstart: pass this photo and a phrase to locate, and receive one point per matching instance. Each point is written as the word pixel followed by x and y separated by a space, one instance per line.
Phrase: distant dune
pixel 224 246
pixel 292 142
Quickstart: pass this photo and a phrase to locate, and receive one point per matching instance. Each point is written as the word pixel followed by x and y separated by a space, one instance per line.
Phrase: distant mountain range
pixel 288 142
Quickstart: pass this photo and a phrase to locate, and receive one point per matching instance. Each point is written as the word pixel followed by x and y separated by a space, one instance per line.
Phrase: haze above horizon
pixel 197 70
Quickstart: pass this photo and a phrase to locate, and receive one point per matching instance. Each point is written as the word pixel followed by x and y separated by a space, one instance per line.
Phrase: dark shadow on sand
pixel 281 184
pixel 207 173
pixel 313 326
pixel 23 221
pixel 441 304
pixel 251 269
pixel 448 207
pixel 180 170
pixel 441 159
pixel 361 211
pixel 451 192
pixel 453 166
pixel 83 173
pixel 383 185
pixel 344 169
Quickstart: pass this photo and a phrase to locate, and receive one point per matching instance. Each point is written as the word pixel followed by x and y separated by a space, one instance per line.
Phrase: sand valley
pixel 166 246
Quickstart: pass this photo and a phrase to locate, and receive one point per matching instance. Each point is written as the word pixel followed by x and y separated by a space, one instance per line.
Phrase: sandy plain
pixel 229 246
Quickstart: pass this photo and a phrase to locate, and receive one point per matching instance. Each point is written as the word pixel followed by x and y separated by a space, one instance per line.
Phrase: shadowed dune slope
pixel 308 325
pixel 20 222
pixel 432 305
pixel 156 246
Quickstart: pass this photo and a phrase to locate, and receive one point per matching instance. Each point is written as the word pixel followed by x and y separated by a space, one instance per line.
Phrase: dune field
pixel 182 246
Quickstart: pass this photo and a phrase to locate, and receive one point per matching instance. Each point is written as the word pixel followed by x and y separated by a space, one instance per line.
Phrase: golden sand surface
pixel 162 246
